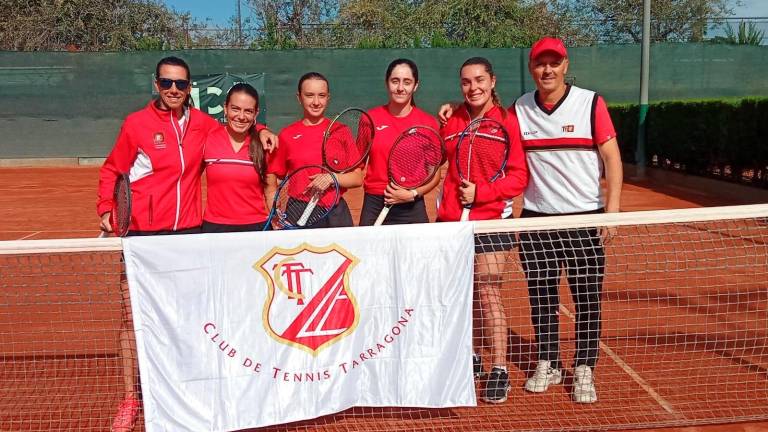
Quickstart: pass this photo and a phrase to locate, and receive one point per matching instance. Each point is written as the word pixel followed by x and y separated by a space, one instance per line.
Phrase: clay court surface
pixel 47 203
pixel 67 376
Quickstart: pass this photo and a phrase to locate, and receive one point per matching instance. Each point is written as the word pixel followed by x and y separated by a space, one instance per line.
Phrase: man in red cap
pixel 569 142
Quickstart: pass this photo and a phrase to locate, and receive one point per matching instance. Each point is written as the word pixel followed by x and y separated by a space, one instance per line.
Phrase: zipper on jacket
pixel 179 140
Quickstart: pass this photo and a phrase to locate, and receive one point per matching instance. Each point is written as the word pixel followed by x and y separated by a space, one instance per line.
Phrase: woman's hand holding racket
pixel 481 157
pixel 346 144
pixel 394 195
pixel 308 194
pixel 413 161
pixel 467 191
pixel 320 182
pixel 305 197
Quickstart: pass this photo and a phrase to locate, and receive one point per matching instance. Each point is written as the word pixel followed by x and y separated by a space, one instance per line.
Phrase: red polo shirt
pixel 235 191
pixel 388 128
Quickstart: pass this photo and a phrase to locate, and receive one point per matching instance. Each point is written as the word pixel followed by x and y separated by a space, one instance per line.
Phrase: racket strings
pixel 414 159
pixel 305 197
pixel 482 153
pixel 348 140
pixel 364 136
pixel 340 149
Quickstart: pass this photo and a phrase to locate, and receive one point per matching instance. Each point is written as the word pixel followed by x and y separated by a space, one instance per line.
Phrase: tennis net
pixel 679 300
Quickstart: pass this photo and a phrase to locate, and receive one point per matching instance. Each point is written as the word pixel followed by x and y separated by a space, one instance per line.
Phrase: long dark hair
pixel 256 151
pixel 472 61
pixel 403 61
pixel 175 61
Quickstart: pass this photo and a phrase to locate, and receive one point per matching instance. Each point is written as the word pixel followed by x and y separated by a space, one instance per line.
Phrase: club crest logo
pixel 159 140
pixel 310 304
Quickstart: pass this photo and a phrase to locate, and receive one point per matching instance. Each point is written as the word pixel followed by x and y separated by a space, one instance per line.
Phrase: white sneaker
pixel 583 385
pixel 544 376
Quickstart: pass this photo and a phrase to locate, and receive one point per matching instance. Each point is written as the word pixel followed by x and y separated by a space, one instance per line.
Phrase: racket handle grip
pixel 103 234
pixel 465 214
pixel 308 210
pixel 382 216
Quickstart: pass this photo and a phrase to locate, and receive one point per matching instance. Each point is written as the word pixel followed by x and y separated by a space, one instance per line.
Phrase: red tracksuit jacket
pixel 492 200
pixel 164 163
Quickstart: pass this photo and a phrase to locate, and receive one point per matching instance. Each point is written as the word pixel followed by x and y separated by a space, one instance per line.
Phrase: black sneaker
pixel 477 366
pixel 497 387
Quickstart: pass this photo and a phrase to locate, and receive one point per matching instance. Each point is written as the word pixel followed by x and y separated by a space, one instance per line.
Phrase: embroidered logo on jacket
pixel 158 140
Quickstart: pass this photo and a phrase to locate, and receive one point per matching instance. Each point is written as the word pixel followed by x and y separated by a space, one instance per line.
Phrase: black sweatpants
pixel 543 255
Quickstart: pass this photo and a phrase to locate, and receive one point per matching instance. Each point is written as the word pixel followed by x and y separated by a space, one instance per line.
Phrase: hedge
pixel 719 138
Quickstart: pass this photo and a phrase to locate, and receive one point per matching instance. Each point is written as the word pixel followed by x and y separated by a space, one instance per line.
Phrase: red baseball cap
pixel 548 44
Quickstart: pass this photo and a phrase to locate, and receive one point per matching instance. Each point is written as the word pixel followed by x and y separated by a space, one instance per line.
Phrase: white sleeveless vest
pixel 563 161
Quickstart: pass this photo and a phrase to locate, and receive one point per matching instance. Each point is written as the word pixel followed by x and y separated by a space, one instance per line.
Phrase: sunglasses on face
pixel 166 83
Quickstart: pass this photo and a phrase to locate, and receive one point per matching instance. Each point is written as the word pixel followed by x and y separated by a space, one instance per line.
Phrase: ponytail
pixel 497 101
pixel 258 157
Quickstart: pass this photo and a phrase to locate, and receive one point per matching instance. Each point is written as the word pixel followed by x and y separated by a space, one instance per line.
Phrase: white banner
pixel 244 330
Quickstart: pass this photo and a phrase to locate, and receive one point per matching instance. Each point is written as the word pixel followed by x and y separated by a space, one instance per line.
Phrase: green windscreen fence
pixel 72 104
pixel 209 92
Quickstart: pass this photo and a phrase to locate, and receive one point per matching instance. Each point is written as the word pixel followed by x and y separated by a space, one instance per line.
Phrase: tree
pixel 89 25
pixel 454 23
pixel 381 24
pixel 293 24
pixel 620 21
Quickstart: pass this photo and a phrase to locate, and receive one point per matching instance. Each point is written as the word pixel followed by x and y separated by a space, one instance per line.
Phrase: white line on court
pixel 30 235
pixel 631 372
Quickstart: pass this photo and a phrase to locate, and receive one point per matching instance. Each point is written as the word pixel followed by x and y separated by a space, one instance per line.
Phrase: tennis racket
pixel 413 161
pixel 347 140
pixel 305 197
pixel 120 217
pixel 481 154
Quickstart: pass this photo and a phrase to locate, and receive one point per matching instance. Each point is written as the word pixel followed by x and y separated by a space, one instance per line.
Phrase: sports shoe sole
pixel 498 401
pixel 586 399
pixel 590 401
pixel 539 389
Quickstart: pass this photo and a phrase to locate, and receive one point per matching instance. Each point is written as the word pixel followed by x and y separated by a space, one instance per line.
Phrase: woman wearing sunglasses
pixel 160 147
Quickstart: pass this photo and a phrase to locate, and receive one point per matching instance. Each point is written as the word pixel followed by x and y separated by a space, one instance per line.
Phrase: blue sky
pixel 219 11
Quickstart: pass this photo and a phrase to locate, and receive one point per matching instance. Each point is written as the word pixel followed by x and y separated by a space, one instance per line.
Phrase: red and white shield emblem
pixel 309 302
